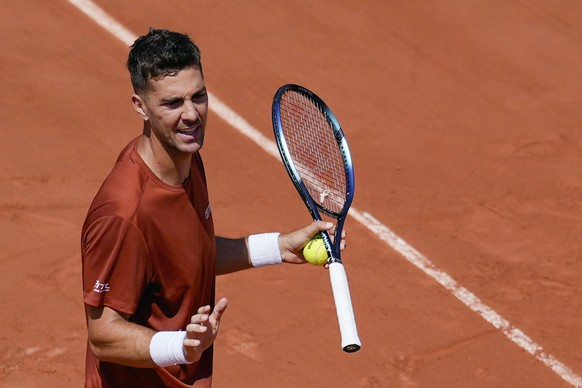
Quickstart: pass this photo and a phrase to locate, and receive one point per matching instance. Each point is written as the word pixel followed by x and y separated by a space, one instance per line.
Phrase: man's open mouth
pixel 187 131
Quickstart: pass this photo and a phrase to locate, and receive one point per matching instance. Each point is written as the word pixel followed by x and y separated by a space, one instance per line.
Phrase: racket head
pixel 314 150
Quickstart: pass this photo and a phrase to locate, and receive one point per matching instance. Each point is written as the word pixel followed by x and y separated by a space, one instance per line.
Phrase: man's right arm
pixel 112 338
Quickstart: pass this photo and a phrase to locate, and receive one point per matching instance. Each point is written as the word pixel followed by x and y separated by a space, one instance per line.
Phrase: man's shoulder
pixel 122 188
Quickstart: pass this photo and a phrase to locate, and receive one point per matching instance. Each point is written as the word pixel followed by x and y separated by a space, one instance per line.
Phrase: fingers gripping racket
pixel 316 155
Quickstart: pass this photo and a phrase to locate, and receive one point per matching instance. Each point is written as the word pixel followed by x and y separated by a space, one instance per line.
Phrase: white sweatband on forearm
pixel 264 249
pixel 167 348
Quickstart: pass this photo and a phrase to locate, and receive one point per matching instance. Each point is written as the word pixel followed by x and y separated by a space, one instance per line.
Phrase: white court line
pixel 366 219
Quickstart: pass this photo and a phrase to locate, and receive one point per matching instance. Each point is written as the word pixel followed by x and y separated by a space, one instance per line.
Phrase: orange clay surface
pixel 465 127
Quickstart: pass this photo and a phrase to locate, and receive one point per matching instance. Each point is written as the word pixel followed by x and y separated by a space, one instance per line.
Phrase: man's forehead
pixel 188 79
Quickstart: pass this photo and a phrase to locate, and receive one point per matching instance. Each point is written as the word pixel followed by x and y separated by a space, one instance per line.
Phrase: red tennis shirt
pixel 148 250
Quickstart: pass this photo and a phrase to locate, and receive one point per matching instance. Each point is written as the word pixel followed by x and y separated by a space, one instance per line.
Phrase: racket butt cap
pixel 352 348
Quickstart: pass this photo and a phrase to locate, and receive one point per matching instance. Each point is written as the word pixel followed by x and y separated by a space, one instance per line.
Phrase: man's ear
pixel 139 107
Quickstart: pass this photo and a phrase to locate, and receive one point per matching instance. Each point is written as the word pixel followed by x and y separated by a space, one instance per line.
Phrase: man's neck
pixel 171 169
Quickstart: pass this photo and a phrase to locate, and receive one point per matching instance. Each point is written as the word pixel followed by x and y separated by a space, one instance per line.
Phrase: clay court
pixel 465 245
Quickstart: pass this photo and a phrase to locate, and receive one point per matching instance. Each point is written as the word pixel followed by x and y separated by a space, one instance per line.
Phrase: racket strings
pixel 314 150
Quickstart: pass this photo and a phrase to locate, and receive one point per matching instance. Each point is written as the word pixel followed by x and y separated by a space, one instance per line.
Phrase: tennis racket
pixel 317 158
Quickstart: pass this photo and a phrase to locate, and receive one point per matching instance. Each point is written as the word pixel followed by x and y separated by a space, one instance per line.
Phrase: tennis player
pixel 149 252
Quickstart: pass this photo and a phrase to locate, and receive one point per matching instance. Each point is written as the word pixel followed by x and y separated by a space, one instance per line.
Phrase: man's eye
pixel 172 103
pixel 199 96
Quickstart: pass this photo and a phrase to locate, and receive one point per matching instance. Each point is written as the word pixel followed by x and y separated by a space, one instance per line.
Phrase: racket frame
pixel 333 249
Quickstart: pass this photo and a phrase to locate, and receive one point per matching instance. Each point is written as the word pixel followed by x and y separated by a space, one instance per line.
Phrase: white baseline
pixel 366 219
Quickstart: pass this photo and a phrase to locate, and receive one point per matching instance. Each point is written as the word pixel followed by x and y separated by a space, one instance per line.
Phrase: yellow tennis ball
pixel 314 251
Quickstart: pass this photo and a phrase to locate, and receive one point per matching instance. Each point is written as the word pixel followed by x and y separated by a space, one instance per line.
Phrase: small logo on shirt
pixel 207 212
pixel 101 287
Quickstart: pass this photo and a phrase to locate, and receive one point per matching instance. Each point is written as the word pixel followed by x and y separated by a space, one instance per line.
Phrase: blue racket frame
pixel 314 207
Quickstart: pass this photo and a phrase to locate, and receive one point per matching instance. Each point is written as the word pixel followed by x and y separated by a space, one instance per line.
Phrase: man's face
pixel 176 108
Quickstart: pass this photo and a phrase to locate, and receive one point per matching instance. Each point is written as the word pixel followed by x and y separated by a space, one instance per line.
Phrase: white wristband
pixel 264 249
pixel 167 348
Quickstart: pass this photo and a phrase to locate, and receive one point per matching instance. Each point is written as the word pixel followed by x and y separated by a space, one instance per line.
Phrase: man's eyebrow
pixel 170 100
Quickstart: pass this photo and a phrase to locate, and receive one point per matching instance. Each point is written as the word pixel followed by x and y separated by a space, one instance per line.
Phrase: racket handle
pixel 343 304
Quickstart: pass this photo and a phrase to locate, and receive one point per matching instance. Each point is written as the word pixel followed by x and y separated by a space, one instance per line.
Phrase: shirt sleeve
pixel 116 264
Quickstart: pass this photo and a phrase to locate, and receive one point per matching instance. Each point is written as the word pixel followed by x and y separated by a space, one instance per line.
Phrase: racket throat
pixel 334 260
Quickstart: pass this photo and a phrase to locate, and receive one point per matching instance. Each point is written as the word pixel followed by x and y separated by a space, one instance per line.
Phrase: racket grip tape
pixel 343 304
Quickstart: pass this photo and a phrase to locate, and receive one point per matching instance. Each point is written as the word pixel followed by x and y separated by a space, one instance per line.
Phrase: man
pixel 149 251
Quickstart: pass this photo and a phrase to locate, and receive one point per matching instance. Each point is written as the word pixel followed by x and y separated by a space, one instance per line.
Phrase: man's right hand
pixel 202 330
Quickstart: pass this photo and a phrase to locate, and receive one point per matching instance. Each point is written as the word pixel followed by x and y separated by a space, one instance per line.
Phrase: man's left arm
pixel 234 255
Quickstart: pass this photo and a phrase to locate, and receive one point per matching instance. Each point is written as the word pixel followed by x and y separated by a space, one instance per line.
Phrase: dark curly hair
pixel 160 53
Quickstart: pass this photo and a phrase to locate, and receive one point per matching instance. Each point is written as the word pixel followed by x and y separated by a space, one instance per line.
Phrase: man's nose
pixel 190 112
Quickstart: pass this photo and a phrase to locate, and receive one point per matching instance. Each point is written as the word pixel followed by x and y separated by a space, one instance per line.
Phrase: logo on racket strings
pixel 322 195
